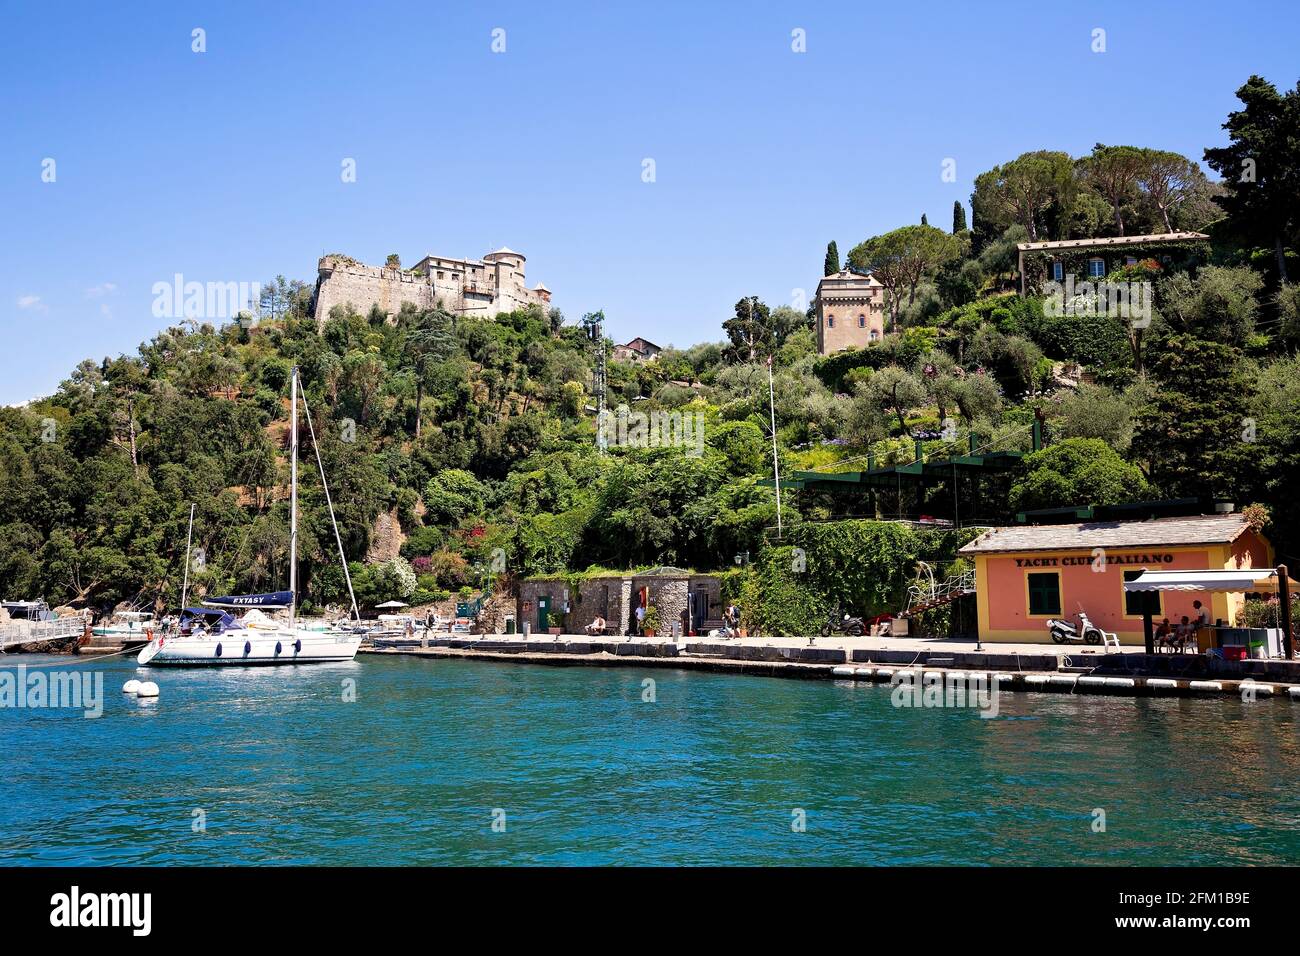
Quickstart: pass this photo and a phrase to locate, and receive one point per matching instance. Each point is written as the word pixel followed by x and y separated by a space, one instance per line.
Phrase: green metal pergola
pixel 916 474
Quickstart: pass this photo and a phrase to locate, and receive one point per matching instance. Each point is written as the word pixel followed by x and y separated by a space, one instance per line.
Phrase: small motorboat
pixel 127 627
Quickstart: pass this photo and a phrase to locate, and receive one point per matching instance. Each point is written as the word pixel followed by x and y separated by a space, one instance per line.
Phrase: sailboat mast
pixel 329 503
pixel 189 539
pixel 293 494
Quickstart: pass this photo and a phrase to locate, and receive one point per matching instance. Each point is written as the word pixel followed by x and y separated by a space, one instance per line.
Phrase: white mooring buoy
pixel 147 689
pixel 130 687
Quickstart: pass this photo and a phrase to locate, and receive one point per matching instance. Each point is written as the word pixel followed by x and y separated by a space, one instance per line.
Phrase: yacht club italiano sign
pixel 1098 557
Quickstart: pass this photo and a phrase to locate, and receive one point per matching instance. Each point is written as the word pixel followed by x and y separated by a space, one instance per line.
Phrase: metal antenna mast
pixel 594 325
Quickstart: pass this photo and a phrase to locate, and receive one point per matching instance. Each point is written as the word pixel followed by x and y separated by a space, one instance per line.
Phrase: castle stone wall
pixel 361 287
pixel 483 287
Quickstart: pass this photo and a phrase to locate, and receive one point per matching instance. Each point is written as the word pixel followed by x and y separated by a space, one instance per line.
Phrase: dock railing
pixel 33 632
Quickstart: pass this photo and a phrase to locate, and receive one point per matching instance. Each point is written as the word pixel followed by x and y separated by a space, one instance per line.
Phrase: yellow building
pixel 1027 575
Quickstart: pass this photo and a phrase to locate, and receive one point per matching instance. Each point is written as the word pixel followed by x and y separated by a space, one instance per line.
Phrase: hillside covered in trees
pixel 478 437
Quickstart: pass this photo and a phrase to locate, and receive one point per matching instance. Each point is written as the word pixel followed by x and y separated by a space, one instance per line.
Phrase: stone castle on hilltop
pixel 482 287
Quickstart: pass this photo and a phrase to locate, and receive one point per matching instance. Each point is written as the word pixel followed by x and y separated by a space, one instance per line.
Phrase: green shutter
pixel 1044 594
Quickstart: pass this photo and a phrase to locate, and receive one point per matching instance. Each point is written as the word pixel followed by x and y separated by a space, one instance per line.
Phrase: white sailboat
pixel 213 635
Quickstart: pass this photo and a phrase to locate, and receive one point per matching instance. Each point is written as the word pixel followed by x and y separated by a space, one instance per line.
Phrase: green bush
pixel 1077 471
pixel 776 600
pixel 423 542
pixel 1264 613
pixel 1094 340
pixel 860 566
pixel 832 369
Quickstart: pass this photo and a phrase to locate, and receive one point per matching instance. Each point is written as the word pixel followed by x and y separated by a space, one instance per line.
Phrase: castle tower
pixel 850 311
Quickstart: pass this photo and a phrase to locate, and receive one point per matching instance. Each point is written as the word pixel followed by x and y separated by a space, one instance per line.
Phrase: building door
pixel 699 607
pixel 543 611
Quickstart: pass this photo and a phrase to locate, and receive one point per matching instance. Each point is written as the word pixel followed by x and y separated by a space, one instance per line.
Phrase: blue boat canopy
pixel 274 599
pixel 213 619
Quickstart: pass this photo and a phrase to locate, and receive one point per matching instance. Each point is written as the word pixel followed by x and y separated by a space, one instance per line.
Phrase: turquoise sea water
pixel 713 772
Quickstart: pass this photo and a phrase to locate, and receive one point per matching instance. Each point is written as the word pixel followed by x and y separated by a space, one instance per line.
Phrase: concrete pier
pixel 1039 668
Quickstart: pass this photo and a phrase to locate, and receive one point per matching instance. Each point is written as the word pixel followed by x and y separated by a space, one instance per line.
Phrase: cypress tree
pixel 958 217
pixel 832 265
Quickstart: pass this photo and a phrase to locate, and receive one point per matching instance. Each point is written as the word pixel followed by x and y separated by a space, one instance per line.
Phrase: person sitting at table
pixel 1184 633
pixel 1164 634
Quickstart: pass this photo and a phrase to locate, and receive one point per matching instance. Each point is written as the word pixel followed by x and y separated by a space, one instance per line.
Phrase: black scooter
pixel 852 626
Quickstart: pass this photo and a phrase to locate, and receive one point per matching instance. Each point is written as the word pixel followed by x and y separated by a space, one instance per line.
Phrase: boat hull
pixel 250 649
pixel 123 633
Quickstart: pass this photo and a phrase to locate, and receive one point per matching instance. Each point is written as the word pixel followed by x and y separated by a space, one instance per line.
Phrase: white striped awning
pixel 1258 580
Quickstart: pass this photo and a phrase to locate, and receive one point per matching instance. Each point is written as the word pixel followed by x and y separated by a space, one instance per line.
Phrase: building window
pixel 830 321
pixel 1058 270
pixel 1044 593
pixel 1096 268
pixel 862 321
pixel 1130 261
pixel 439 275
pixel 874 335
pixel 1137 602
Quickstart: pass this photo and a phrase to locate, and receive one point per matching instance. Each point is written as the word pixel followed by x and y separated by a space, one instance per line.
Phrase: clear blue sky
pixel 225 166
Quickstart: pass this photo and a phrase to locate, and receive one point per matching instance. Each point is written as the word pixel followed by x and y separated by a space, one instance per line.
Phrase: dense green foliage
pixel 865 566
pixel 467 431
pixel 1077 470
pixel 1261 167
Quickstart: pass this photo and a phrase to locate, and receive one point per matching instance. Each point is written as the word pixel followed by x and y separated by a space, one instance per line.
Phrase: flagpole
pixel 776 467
